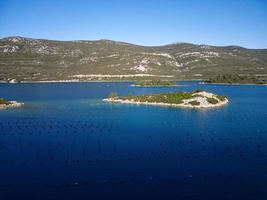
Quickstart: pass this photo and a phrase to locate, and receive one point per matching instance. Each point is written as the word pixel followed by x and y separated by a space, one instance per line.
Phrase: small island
pixel 9 104
pixel 155 83
pixel 235 79
pixel 194 99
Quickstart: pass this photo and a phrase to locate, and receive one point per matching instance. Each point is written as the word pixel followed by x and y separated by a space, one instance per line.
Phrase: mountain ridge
pixel 28 59
pixel 135 44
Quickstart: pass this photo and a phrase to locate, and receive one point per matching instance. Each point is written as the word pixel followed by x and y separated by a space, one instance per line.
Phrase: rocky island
pixel 194 99
pixel 9 104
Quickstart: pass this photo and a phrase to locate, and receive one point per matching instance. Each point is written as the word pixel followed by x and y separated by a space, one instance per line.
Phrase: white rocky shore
pixel 201 98
pixel 11 104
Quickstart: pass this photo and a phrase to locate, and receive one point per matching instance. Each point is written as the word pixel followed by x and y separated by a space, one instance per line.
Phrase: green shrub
pixel 3 101
pixel 221 98
pixel 130 96
pixel 198 90
pixel 212 100
pixel 113 95
pixel 194 103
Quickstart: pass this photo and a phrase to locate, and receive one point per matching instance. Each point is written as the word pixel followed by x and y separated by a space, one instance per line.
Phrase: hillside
pixel 27 59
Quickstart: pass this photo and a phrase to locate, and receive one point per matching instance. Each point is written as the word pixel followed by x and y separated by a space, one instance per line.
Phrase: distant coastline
pixel 236 79
pixel 123 81
pixel 89 81
pixel 233 84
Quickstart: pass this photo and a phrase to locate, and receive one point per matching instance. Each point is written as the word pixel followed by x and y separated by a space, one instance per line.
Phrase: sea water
pixel 66 143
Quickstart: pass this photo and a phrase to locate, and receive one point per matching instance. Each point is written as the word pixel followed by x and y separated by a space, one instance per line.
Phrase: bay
pixel 66 143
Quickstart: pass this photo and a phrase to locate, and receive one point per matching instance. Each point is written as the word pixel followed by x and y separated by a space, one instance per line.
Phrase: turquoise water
pixel 66 143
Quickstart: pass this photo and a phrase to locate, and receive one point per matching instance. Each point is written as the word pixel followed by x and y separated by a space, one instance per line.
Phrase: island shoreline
pixel 165 104
pixel 11 104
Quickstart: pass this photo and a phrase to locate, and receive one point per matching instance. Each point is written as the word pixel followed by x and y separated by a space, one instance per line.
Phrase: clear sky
pixel 145 22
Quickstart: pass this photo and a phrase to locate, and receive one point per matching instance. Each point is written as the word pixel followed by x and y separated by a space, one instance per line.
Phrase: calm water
pixel 66 143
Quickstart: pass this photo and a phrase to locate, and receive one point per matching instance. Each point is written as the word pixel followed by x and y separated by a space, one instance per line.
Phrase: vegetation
pixel 198 90
pixel 221 98
pixel 230 78
pixel 212 100
pixel 194 103
pixel 4 102
pixel 113 95
pixel 171 98
pixel 155 83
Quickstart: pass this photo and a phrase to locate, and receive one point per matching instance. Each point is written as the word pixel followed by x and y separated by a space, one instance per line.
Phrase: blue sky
pixel 145 22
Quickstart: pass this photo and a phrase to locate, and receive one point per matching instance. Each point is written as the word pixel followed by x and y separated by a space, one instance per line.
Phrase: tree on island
pixel 130 96
pixel 113 95
pixel 3 101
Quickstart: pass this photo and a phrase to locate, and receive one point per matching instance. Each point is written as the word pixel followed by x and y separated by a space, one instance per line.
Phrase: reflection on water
pixel 68 144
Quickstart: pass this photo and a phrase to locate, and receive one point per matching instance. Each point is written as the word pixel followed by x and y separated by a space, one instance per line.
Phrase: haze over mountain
pixel 27 59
